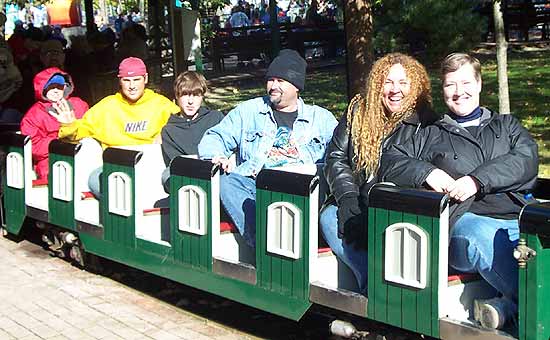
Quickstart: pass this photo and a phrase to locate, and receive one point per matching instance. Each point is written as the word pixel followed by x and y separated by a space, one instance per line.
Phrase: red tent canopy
pixel 64 12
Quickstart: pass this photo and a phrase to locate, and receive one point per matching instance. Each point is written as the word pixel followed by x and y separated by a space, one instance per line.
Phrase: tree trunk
pixel 103 13
pixel 89 11
pixel 2 24
pixel 360 54
pixel 502 60
pixel 275 32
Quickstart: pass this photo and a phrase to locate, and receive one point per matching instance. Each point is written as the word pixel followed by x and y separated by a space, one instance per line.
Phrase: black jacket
pixel 181 136
pixel 502 157
pixel 340 165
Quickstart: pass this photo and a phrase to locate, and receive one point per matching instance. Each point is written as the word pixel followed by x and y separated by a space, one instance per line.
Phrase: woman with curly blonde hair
pixel 395 105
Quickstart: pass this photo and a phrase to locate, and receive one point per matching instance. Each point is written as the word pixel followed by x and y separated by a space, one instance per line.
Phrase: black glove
pixel 348 211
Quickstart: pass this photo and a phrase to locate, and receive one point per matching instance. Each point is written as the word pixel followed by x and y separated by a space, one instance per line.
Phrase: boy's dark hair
pixel 190 82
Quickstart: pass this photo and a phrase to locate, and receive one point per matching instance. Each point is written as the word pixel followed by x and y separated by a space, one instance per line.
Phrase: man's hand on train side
pixel 63 112
pixel 224 163
pixel 440 181
pixel 464 188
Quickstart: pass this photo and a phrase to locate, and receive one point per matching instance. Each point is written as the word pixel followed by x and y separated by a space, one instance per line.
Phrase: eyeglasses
pixel 53 52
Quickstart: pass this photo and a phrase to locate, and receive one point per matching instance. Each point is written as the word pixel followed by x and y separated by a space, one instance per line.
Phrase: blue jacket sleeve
pixel 223 138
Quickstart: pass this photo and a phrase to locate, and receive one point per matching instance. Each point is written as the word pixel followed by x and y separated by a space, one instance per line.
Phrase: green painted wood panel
pixel 262 261
pixel 285 276
pixel 395 305
pixel 276 270
pixel 14 200
pixel 371 260
pixel 405 307
pixel 146 258
pixel 153 248
pixel 428 298
pixel 377 271
pixel 61 213
pixel 118 229
pixel 534 293
pixel 301 268
pixel 522 300
pixel 195 250
pixel 411 309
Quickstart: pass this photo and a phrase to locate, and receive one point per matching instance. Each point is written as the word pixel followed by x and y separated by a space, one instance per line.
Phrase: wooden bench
pixel 256 41
pixel 521 15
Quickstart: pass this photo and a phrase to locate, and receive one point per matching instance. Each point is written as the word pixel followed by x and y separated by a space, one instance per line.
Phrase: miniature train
pixel 180 237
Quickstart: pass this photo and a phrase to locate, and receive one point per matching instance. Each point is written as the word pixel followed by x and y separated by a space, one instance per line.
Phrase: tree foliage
pixel 205 5
pixel 429 29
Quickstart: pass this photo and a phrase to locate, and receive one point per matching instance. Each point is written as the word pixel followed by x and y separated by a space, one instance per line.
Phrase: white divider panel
pixel 88 158
pixel 148 191
pixel 15 170
pixel 34 197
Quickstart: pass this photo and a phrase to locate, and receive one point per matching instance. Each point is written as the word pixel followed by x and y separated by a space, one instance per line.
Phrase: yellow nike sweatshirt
pixel 115 122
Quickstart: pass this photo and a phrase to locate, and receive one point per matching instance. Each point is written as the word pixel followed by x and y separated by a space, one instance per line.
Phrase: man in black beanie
pixel 275 130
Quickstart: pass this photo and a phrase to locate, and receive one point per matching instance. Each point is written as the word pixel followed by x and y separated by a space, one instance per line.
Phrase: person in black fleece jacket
pixel 487 163
pixel 183 132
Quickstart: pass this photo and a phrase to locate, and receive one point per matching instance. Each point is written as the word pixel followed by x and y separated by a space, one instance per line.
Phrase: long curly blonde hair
pixel 368 120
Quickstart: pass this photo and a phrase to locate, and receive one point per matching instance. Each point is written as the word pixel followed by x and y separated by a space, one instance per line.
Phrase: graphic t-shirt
pixel 284 150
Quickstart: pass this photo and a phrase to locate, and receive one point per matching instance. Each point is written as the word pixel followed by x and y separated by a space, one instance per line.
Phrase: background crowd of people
pixel 31 49
pixel 314 12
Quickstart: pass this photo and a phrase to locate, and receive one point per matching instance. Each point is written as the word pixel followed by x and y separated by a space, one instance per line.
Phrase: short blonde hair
pixel 454 61
pixel 190 82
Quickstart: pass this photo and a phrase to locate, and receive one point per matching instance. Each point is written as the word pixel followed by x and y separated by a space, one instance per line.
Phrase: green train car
pixel 183 237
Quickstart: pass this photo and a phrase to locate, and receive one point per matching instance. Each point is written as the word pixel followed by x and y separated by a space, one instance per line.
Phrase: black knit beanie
pixel 290 66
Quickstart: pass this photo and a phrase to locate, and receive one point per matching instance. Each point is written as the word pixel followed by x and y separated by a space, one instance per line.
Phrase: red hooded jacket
pixel 40 125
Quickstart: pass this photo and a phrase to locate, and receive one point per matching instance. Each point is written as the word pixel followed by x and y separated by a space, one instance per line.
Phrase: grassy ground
pixel 529 81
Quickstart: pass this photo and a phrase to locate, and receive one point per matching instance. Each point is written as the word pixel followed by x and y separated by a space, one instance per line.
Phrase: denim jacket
pixel 249 131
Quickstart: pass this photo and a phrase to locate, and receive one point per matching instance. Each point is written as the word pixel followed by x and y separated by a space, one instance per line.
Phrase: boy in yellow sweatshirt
pixel 134 115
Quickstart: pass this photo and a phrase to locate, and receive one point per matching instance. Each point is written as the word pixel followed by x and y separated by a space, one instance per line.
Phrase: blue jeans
pixel 238 196
pixel 355 259
pixel 485 245
pixel 94 182
pixel 165 179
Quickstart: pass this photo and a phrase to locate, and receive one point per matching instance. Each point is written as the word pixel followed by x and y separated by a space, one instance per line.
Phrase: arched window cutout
pixel 192 209
pixel 406 252
pixel 283 229
pixel 62 177
pixel 120 194
pixel 14 170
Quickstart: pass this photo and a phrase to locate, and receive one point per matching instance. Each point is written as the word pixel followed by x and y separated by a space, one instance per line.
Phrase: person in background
pixel 53 89
pixel 10 83
pixel 238 19
pixel 119 23
pixel 52 54
pixel 133 43
pixel 57 34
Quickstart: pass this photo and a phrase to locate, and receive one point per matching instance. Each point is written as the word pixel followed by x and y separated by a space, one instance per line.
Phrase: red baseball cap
pixel 131 67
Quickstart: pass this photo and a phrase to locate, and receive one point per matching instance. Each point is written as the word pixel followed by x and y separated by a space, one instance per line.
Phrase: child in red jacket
pixel 52 88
